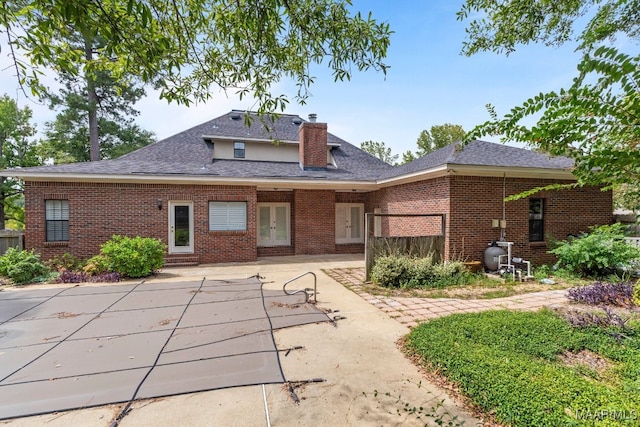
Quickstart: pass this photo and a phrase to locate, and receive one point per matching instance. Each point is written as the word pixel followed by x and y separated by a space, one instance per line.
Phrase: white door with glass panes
pixel 273 224
pixel 349 223
pixel 180 227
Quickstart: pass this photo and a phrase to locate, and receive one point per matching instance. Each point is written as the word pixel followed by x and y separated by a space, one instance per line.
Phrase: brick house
pixel 223 191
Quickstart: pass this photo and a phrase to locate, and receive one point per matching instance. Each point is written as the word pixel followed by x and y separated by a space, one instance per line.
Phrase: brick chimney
pixel 313 144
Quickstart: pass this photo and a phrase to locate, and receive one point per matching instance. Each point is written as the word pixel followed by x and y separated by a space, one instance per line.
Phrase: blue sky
pixel 428 83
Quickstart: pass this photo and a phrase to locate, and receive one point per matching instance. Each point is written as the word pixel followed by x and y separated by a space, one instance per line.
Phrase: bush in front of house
pixel 65 262
pixel 133 256
pixel 596 254
pixel 408 272
pixel 70 269
pixel 22 266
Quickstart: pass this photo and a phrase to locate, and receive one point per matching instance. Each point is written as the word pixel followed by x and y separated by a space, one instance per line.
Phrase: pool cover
pixel 82 346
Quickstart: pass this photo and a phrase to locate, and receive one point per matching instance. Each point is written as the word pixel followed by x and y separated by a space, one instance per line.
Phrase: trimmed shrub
pixel 390 271
pixel 22 266
pixel 133 256
pixel 598 253
pixel 407 272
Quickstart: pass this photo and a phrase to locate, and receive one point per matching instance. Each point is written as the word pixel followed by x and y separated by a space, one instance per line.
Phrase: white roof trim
pixel 201 180
pixel 477 170
pixel 372 185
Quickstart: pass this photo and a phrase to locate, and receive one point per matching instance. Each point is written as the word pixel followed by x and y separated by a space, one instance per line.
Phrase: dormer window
pixel 238 150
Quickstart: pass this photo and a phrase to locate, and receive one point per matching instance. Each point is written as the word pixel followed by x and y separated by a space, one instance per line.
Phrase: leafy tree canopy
pixel 16 150
pixel 500 26
pixel 191 48
pixel 408 156
pixel 380 150
pixel 439 136
pixel 595 121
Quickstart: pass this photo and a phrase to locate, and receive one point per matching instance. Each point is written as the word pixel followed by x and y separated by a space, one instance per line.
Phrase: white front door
pixel 180 227
pixel 273 224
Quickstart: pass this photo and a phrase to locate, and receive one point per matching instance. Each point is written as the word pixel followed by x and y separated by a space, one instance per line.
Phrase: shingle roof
pixel 283 127
pixel 482 153
pixel 187 154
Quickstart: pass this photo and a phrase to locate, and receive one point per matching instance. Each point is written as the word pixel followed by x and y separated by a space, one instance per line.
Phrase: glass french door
pixel 349 223
pixel 273 224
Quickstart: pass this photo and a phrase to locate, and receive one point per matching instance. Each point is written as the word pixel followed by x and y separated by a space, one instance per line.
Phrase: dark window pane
pixel 182 226
pixel 238 150
pixel 57 231
pixel 536 231
pixel 57 220
pixel 536 220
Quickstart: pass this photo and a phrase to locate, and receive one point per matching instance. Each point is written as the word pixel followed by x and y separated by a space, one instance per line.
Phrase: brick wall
pixel 99 210
pixel 424 197
pixel 313 145
pixel 314 218
pixel 475 201
pixel 472 202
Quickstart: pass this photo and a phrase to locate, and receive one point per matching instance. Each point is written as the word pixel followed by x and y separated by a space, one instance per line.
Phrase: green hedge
pixel 132 256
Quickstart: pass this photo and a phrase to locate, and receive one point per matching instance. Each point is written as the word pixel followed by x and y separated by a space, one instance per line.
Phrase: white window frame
pixel 273 241
pixel 227 216
pixel 344 223
pixel 239 150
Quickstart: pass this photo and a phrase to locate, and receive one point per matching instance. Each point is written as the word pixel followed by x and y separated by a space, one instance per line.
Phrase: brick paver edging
pixel 411 311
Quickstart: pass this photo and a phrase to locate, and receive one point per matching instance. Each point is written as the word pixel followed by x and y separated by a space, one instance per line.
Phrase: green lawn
pixel 535 369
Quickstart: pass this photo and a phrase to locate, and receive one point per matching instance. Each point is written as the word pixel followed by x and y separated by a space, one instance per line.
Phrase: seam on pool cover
pixel 72 333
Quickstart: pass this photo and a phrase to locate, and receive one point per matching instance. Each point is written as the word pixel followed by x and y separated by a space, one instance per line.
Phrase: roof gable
pixel 482 153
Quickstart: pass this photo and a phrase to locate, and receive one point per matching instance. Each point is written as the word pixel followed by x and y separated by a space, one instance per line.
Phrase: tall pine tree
pixel 96 118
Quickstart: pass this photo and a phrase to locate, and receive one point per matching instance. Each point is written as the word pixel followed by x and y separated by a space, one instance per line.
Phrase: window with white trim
pixel 57 220
pixel 238 150
pixel 349 223
pixel 227 216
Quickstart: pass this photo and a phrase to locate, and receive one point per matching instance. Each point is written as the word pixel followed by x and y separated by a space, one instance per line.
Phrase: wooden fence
pixel 415 246
pixel 11 239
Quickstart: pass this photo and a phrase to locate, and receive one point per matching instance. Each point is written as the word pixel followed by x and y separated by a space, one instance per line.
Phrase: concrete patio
pixel 353 359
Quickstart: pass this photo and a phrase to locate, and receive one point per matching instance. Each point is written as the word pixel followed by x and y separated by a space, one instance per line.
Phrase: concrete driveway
pixel 355 358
